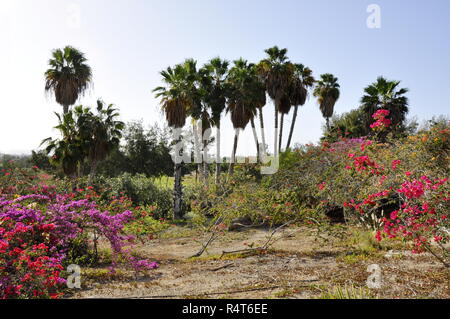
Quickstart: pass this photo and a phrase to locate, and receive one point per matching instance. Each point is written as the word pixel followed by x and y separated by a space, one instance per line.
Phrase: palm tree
pixel 85 135
pixel 102 132
pixel 177 98
pixel 385 94
pixel 214 75
pixel 302 83
pixel 257 95
pixel 68 76
pixel 240 103
pixel 277 73
pixel 327 93
pixel 69 150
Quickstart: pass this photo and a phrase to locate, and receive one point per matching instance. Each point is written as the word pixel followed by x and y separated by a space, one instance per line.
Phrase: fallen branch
pixel 265 246
pixel 222 267
pixel 205 245
pixel 206 293
pixel 213 293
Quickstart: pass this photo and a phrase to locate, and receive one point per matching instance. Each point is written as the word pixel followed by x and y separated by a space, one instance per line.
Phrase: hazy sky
pixel 129 42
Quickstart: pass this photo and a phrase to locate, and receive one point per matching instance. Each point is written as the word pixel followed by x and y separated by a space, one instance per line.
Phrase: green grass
pixel 347 292
pixel 166 182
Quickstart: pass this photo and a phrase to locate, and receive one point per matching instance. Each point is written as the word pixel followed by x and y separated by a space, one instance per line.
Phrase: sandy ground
pixel 295 266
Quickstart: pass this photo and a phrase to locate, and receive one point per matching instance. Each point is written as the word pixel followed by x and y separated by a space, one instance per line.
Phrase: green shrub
pixel 141 190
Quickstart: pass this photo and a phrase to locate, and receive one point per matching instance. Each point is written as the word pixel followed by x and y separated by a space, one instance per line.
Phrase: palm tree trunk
pixel 177 185
pixel 79 172
pixel 197 155
pixel 263 135
pixel 281 131
pixel 177 193
pixel 275 147
pixel 255 136
pixel 205 163
pixel 291 131
pixel 328 124
pixel 218 159
pixel 65 109
pixel 93 171
pixel 233 154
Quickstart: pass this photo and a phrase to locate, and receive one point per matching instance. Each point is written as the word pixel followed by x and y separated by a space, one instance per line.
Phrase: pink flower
pixel 395 163
pixel 394 214
pixel 381 121
pixel 414 189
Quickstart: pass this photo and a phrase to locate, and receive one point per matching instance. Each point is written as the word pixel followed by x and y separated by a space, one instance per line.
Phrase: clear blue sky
pixel 129 42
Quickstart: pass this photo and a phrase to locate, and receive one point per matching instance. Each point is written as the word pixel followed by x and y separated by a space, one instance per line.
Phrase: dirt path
pixel 296 266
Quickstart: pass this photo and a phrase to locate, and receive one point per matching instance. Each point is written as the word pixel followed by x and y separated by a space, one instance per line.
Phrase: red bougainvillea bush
pixel 397 187
pixel 422 212
pixel 27 266
pixel 40 234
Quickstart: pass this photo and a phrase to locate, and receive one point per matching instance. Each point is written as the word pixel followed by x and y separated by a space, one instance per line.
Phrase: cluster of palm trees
pixel 205 94
pixel 85 136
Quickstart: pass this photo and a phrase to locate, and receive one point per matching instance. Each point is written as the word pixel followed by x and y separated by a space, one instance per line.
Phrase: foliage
pixel 327 93
pixel 68 76
pixel 347 292
pixel 84 136
pixel 43 229
pixel 384 94
pixel 41 160
pixel 27 267
pixel 146 151
pixel 348 125
pixel 370 183
pixel 139 190
pixel 246 93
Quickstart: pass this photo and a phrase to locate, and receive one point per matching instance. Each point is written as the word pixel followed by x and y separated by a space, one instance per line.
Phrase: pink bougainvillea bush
pixel 40 233
pixel 421 214
pixel 398 188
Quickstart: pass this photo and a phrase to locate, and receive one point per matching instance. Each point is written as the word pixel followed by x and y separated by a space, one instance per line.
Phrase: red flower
pixel 378 236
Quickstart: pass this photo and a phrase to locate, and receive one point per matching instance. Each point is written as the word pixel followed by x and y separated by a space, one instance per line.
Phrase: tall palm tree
pixel 385 94
pixel 199 84
pixel 240 103
pixel 277 73
pixel 68 76
pixel 302 83
pixel 327 93
pixel 177 98
pixel 214 75
pixel 257 95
